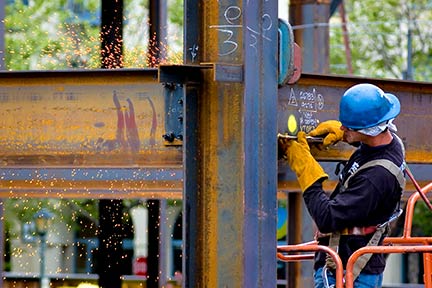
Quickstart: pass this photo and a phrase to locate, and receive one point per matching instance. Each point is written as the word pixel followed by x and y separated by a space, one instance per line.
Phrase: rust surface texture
pixel 83 119
pixel 112 119
pixel 72 134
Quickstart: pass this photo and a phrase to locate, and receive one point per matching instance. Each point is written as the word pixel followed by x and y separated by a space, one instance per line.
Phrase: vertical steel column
pixel 110 236
pixel 112 34
pixel 2 67
pixel 2 239
pixel 157 44
pixel 260 145
pixel 230 146
pixel 2 36
pixel 309 19
pixel 154 233
pixel 294 237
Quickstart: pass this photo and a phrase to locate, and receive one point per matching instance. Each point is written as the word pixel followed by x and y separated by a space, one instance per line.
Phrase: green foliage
pixel 175 10
pixel 54 35
pixel 46 35
pixel 422 220
pixel 22 210
pixel 378 34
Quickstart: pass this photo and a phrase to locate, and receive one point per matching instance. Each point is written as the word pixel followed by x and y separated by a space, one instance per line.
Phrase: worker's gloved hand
pixel 330 130
pixel 301 161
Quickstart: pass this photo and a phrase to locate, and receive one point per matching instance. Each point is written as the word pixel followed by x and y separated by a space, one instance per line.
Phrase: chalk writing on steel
pixel 193 52
pixel 307 103
pixel 267 24
pixel 232 19
pixel 292 99
pixel 232 15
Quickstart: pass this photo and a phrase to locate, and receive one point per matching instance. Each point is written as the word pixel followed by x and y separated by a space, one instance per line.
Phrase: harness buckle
pixel 392 218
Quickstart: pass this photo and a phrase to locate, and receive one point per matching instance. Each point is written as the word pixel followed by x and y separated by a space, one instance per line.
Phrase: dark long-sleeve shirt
pixel 370 199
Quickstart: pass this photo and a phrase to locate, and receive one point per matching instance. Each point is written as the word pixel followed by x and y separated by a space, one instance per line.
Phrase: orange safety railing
pixel 404 244
pixel 307 247
pixel 349 281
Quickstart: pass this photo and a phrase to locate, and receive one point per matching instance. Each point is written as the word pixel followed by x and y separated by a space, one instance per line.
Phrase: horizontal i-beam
pixel 315 98
pixel 62 121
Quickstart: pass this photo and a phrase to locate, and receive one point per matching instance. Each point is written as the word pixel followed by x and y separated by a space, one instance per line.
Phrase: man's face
pixel 351 136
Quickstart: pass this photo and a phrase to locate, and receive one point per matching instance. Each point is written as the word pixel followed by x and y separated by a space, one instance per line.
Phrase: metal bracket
pixel 173 93
pixel 226 72
pixel 187 74
pixel 181 74
pixel 173 77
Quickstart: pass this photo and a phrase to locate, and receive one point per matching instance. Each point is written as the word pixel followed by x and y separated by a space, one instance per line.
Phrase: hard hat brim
pixel 395 109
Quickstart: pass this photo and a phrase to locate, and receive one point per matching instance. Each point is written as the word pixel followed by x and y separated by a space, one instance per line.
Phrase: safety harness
pixel 379 230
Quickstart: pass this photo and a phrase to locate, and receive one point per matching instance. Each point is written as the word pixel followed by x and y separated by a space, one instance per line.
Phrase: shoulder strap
pixel 398 172
pixel 387 164
pixel 401 143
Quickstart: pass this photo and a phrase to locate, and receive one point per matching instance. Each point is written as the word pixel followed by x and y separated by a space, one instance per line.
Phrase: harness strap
pixel 398 172
pixel 334 245
pixel 389 165
pixel 363 259
pixel 350 231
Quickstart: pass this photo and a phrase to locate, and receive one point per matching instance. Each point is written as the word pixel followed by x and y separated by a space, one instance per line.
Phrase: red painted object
pixel 140 266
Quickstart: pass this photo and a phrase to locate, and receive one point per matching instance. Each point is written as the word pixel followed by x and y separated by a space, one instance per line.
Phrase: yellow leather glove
pixel 331 130
pixel 301 161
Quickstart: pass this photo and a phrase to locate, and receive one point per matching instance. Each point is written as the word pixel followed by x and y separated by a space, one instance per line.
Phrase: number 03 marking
pixel 228 42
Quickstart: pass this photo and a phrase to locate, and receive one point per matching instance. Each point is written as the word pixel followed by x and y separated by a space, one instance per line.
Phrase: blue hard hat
pixel 366 105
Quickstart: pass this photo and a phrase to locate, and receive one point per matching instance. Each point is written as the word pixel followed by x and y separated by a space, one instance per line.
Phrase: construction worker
pixel 370 184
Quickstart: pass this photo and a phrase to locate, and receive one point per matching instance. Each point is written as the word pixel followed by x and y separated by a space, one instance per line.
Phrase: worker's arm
pixel 364 203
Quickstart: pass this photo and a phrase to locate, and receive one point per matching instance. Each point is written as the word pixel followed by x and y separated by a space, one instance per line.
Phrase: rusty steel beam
pixel 315 98
pixel 60 119
pixel 69 119
pixel 85 118
pixel 76 134
pixel 95 183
